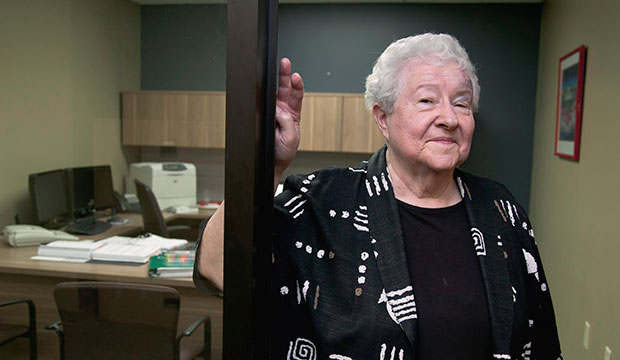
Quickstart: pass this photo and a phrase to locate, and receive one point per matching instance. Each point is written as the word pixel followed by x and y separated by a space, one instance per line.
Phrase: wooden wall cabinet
pixel 143 118
pixel 331 122
pixel 360 132
pixel 321 122
pixel 338 123
pixel 174 118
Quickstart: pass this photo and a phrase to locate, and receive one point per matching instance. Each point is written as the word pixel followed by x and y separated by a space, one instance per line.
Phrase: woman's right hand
pixel 288 115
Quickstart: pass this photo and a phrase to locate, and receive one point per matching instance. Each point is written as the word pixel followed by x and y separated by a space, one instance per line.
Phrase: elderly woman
pixel 404 256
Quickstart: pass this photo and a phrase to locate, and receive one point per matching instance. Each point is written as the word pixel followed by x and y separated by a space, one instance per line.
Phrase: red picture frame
pixel 571 75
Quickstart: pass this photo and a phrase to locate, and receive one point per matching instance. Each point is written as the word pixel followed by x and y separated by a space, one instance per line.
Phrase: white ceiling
pixel 178 2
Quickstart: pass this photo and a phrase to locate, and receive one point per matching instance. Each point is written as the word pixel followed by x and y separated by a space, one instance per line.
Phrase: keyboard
pixel 87 227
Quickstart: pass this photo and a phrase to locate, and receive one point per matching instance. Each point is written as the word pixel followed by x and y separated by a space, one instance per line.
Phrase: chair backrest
pixel 151 214
pixel 103 320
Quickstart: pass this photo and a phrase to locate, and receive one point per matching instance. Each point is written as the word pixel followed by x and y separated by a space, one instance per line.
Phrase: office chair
pixel 10 332
pixel 154 220
pixel 110 320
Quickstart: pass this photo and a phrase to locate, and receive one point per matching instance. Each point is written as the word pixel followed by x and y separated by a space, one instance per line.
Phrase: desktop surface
pixel 16 260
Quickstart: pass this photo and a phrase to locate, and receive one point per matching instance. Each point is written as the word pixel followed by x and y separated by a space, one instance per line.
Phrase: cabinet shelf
pixel 331 122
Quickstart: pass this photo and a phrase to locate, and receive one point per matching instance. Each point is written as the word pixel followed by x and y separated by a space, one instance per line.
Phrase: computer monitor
pixel 50 199
pixel 91 189
pixel 104 188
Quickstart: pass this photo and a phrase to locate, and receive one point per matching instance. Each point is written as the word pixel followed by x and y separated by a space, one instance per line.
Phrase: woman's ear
pixel 381 118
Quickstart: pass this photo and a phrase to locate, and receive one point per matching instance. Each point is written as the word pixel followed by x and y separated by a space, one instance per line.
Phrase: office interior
pixel 65 63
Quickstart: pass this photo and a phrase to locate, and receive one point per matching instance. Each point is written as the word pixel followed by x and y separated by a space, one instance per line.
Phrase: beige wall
pixel 575 206
pixel 63 64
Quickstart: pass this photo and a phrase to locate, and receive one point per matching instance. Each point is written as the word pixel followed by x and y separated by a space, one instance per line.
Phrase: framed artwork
pixel 569 103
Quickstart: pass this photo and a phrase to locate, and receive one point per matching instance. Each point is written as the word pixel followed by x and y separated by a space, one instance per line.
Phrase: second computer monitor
pixel 91 189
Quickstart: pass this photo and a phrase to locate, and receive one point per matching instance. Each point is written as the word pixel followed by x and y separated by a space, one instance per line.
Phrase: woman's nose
pixel 447 116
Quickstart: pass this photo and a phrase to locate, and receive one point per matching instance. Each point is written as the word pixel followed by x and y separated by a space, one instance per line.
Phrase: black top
pixel 453 316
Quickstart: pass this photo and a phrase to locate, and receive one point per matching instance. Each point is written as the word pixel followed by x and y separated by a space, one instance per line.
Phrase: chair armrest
pixel 206 321
pixel 32 314
pixel 61 336
pixel 192 327
pixel 55 326
pixel 17 301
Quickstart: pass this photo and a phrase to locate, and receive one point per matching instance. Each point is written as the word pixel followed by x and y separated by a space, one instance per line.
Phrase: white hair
pixel 384 84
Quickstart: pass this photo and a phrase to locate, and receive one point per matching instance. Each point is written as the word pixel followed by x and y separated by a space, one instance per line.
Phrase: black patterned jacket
pixel 341 287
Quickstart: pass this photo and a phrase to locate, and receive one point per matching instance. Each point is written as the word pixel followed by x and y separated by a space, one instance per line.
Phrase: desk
pixel 22 277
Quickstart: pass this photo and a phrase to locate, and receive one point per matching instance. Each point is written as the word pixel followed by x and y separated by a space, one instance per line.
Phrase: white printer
pixel 173 183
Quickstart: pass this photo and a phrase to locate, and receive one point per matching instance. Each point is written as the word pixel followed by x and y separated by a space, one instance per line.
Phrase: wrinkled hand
pixel 288 115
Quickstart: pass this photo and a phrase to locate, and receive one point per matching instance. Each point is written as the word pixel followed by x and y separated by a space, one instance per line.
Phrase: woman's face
pixel 432 124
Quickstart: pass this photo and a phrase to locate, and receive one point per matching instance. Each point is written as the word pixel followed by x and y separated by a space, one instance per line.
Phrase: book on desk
pixel 172 263
pixel 61 250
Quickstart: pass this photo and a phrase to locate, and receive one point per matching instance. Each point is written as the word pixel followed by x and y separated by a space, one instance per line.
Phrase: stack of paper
pixel 138 253
pixel 67 250
pixel 135 250
pixel 164 243
pixel 172 272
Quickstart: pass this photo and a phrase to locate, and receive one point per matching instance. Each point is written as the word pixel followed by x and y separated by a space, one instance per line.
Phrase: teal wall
pixel 183 47
pixel 334 47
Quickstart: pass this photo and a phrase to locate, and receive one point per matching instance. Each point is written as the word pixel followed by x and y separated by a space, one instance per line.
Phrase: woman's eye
pixel 426 101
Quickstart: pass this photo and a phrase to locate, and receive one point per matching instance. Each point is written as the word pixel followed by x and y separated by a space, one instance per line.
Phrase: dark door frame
pixel 251 69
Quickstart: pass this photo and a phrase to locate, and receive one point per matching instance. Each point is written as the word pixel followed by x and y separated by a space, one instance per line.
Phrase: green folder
pixel 173 263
